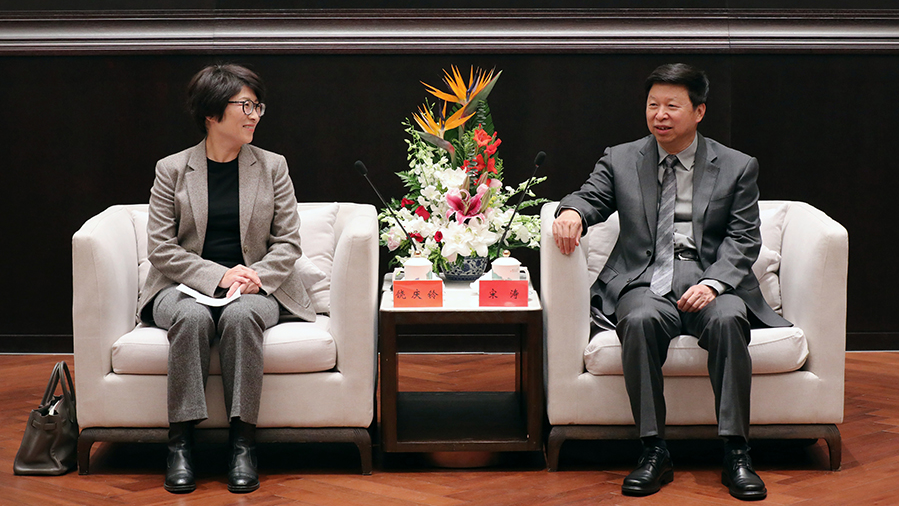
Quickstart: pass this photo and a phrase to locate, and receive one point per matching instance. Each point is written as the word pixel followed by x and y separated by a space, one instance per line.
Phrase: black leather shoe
pixel 653 470
pixel 179 472
pixel 740 478
pixel 242 475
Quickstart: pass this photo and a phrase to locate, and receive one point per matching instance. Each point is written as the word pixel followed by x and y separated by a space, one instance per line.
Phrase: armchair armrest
pixel 813 278
pixel 104 292
pixel 354 298
pixel 565 296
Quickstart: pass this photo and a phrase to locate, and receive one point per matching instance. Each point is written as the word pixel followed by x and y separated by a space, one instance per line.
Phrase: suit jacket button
pixel 648 253
pixel 246 249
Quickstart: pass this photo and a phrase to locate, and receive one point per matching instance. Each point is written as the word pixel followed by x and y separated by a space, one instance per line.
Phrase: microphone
pixel 538 161
pixel 361 169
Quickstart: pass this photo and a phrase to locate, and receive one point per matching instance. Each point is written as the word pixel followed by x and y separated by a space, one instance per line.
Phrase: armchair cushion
pixel 290 347
pixel 319 242
pixel 765 270
pixel 767 266
pixel 140 218
pixel 773 351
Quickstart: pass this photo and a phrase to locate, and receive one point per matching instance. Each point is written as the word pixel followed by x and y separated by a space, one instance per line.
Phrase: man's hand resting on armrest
pixel 567 230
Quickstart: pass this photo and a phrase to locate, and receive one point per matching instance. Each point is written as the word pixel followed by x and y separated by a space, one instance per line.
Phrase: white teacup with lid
pixel 506 267
pixel 417 267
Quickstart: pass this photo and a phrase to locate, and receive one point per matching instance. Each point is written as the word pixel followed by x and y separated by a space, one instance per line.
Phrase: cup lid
pixel 417 262
pixel 506 260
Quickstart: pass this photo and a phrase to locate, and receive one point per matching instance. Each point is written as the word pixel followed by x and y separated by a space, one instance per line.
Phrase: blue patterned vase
pixel 466 268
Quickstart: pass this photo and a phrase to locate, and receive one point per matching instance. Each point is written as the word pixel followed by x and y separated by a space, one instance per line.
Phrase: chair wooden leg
pixel 362 438
pixel 85 442
pixel 835 445
pixel 554 447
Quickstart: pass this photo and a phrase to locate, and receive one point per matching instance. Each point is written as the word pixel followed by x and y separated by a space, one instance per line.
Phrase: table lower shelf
pixel 461 421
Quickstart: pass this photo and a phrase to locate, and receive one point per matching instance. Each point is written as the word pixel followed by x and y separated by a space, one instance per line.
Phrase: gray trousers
pixel 646 325
pixel 192 330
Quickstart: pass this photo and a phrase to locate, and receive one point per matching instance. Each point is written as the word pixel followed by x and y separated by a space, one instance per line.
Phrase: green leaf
pixel 473 103
pixel 483 117
pixel 409 179
pixel 440 143
pixel 459 145
pixel 531 203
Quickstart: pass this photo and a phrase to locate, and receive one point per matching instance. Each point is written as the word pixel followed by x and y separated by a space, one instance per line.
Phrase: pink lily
pixel 464 206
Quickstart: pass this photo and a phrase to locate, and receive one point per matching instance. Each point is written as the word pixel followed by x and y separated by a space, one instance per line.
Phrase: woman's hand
pixel 240 278
pixel 244 288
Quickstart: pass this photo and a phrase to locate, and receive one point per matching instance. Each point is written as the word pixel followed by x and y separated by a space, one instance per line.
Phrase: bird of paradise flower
pixel 467 95
pixel 479 86
pixel 438 126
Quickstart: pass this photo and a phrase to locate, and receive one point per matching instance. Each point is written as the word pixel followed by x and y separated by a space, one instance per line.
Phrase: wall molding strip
pixel 396 31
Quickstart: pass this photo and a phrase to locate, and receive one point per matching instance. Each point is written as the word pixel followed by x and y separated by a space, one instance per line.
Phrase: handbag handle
pixel 51 385
pixel 71 392
pixel 68 387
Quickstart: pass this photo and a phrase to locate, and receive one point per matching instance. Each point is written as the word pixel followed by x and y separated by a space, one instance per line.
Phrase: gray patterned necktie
pixel 663 272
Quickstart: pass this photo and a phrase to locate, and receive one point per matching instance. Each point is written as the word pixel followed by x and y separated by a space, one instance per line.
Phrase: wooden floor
pixel 590 472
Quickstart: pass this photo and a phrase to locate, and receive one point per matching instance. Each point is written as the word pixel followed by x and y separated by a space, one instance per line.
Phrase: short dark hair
pixel 211 88
pixel 695 80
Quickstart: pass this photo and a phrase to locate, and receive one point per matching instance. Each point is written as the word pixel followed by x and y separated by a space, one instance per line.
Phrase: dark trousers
pixel 192 330
pixel 646 325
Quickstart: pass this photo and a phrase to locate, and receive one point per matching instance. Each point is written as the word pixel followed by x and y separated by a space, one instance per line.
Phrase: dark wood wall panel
pixel 83 132
pixel 820 127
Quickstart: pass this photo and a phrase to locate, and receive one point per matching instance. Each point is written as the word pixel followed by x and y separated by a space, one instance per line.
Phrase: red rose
pixel 405 202
pixel 421 211
pixel 417 237
pixel 438 236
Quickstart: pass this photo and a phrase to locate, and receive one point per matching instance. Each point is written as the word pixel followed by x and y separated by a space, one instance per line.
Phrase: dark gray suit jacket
pixel 725 218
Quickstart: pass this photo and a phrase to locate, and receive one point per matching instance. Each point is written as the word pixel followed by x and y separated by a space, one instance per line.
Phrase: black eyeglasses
pixel 249 106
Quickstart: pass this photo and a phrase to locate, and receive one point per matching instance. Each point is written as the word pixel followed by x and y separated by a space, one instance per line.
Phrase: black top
pixel 223 229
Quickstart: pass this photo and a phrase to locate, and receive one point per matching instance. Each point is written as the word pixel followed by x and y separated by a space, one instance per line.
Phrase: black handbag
pixel 49 446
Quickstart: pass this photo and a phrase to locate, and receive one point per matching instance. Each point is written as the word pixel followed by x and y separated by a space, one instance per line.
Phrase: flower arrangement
pixel 456 205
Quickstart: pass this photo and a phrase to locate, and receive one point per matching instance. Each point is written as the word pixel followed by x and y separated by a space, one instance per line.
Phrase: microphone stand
pixel 360 167
pixel 538 161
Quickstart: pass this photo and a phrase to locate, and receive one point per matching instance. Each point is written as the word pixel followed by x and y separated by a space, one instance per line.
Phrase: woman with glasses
pixel 223 220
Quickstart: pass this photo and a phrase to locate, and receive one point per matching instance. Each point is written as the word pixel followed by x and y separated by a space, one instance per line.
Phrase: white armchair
pixel 319 377
pixel 798 373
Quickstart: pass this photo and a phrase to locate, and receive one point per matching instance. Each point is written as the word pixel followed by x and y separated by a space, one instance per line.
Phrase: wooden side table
pixel 462 421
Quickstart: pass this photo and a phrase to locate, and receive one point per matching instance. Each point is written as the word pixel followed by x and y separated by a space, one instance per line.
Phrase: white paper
pixel 205 299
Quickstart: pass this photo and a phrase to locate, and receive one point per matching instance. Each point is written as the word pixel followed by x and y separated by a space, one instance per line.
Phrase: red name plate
pixel 503 292
pixel 418 293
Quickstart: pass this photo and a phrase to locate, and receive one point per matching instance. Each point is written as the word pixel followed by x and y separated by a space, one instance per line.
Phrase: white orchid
pixel 430 194
pixel 452 179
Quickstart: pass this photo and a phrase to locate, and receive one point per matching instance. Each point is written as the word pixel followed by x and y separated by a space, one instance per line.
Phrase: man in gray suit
pixel 689 218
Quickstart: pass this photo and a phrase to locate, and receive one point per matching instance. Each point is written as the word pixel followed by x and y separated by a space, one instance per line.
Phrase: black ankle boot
pixel 179 472
pixel 242 475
